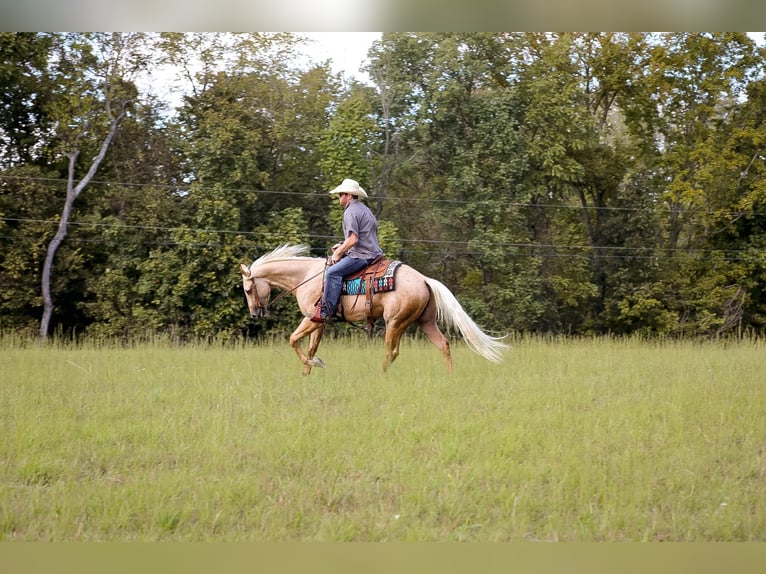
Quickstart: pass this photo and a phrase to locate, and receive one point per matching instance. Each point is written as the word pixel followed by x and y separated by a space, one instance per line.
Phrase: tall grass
pixel 582 440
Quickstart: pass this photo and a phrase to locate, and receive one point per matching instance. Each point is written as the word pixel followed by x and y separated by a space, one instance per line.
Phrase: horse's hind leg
pixel 434 334
pixel 394 332
pixel 427 323
pixel 307 327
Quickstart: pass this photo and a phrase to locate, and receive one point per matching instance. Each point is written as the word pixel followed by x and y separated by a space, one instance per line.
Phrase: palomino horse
pixel 416 299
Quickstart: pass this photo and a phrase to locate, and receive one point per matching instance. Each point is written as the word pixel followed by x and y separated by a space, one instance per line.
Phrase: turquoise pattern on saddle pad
pixel 354 287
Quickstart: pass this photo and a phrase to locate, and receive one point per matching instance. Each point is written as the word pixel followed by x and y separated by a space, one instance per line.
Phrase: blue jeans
pixel 333 279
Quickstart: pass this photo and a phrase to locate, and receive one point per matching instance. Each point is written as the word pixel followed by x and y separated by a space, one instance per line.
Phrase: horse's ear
pixel 245 270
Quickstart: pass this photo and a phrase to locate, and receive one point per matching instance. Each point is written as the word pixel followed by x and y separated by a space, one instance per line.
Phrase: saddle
pixel 378 277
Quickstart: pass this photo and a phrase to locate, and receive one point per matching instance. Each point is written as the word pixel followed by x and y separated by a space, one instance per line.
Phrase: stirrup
pixel 317 316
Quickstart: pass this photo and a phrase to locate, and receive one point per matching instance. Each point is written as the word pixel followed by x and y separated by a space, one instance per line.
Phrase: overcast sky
pixel 347 50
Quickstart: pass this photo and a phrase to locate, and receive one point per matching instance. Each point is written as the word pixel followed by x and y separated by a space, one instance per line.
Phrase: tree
pixel 557 182
pixel 124 217
pixel 251 128
pixel 346 145
pixel 71 195
pixel 93 73
pixel 457 134
pixel 23 121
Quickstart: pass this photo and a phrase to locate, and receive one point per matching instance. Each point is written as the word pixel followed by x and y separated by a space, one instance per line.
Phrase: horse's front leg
pixel 308 327
pixel 315 337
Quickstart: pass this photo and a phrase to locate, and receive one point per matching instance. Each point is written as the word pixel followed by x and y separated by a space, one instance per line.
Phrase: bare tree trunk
pixel 71 194
pixel 391 143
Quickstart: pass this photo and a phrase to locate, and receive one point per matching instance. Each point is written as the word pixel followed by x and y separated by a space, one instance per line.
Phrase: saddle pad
pixel 384 280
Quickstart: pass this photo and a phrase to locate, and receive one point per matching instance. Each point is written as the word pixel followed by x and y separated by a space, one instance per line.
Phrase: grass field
pixel 572 440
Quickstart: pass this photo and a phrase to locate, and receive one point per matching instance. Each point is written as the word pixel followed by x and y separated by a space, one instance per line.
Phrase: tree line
pixel 578 183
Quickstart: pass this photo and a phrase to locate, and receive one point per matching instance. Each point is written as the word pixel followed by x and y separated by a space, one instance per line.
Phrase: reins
pixel 287 292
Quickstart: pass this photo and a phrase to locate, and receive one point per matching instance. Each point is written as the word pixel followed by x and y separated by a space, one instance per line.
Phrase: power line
pixel 418 241
pixel 188 187
pixel 546 255
pixel 456 247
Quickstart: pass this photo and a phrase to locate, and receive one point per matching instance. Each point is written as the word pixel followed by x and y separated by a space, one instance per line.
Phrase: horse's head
pixel 257 291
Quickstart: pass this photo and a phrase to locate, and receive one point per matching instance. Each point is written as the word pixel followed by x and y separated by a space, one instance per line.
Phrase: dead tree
pixel 71 194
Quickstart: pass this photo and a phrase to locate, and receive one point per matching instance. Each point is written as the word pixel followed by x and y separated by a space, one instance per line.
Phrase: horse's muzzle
pixel 259 313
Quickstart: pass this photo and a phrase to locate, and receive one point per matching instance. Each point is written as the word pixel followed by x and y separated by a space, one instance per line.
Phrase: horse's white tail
pixel 450 312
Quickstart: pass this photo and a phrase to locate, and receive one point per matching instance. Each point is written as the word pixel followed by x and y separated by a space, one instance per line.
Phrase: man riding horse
pixel 410 298
pixel 359 249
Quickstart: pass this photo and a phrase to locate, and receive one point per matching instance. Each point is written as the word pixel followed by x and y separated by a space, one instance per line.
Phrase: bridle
pixel 264 308
pixel 261 309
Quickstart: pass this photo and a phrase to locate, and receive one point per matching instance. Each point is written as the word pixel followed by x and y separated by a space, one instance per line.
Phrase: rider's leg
pixel 334 280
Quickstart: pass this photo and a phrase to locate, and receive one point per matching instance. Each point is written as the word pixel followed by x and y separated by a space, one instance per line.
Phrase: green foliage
pixel 286 226
pixel 23 118
pixel 346 144
pixel 556 182
pixel 388 238
pixel 645 316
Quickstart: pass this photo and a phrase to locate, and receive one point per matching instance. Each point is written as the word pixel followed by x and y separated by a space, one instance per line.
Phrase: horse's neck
pixel 290 274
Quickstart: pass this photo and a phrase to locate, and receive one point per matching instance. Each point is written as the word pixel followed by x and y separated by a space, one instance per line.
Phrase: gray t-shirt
pixel 358 218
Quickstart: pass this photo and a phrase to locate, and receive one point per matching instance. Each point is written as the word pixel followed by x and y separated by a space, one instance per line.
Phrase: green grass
pixel 578 440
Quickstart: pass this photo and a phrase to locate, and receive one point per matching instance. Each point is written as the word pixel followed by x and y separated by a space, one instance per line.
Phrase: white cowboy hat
pixel 350 186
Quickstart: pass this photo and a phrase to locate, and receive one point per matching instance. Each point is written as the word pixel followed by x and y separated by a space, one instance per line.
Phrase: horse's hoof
pixel 317 362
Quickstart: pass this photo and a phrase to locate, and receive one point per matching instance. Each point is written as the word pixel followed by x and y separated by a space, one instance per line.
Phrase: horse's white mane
pixel 286 251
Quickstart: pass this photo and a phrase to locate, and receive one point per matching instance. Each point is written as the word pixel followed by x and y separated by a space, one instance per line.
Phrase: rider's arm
pixel 339 250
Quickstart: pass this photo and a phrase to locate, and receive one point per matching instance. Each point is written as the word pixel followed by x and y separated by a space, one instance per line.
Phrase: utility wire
pixel 456 247
pixel 188 187
pixel 273 234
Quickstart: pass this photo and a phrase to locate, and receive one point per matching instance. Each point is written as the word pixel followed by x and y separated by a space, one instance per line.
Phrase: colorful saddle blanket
pixel 383 278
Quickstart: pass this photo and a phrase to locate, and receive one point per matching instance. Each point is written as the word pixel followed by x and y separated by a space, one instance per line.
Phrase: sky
pixel 346 50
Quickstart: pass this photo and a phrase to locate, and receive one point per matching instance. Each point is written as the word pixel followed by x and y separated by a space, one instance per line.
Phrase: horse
pixel 415 299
